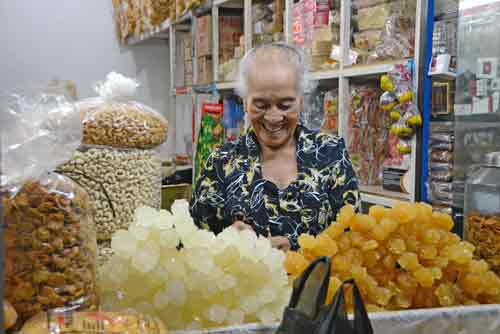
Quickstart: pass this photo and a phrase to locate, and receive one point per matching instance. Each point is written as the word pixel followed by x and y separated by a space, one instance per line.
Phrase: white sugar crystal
pixel 226 282
pixel 169 238
pixel 123 243
pixel 265 316
pixel 249 304
pixel 236 317
pixel 180 207
pixel 146 258
pixel 217 313
pixel 176 267
pixel 262 248
pixel 161 299
pixel 267 294
pixel 211 280
pixel 145 216
pixel 141 233
pixel 176 292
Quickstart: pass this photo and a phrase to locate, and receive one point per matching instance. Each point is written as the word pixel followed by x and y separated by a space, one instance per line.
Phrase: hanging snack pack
pixel 368 134
pixel 117 163
pixel 50 245
pixel 211 134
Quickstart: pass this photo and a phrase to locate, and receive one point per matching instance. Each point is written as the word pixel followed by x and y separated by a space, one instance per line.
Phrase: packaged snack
pixel 367 40
pixel 330 106
pixel 114 119
pixel 125 322
pixel 441 156
pixel 412 117
pixel 367 124
pixel 211 134
pixel 404 147
pixel 373 17
pixel 50 245
pixel 441 175
pixel 386 83
pixel 388 101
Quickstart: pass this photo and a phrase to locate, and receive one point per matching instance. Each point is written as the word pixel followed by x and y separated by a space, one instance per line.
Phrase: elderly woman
pixel 280 179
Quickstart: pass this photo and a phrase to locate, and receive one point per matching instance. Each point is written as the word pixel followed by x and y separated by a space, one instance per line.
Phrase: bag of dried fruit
pixel 50 243
pixel 118 163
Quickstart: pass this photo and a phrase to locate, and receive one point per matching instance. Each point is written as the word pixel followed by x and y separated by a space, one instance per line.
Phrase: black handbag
pixel 336 321
pixel 305 312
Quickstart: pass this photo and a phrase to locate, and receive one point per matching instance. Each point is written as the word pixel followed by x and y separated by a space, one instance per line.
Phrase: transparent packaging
pixel 482 209
pixel 367 124
pixel 123 322
pixel 115 119
pixel 118 181
pixel 119 164
pixel 383 30
pixel 50 244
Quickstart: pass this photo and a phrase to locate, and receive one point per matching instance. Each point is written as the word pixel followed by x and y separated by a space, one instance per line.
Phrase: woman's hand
pixel 281 243
pixel 241 226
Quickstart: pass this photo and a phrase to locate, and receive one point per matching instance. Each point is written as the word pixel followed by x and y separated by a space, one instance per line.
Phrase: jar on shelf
pixel 482 209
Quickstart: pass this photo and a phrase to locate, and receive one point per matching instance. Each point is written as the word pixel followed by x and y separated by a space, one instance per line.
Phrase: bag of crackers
pixel 49 236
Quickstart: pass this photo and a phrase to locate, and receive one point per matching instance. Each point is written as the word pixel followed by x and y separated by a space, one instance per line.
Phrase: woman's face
pixel 273 103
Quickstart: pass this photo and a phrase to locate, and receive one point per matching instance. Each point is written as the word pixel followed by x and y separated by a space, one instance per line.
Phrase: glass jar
pixel 482 209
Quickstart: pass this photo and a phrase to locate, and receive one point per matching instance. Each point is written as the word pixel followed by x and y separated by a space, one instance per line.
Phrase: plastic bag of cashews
pixel 118 163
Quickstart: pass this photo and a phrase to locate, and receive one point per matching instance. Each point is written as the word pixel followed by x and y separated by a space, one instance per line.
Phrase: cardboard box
pixel 205 70
pixel 204 36
pixel 230 32
pixel 188 79
pixel 188 67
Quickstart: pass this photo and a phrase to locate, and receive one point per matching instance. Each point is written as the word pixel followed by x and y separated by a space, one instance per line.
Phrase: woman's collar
pixel 253 144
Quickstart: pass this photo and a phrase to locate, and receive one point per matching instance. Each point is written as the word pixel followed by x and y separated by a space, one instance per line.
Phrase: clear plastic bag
pixel 118 181
pixel 123 322
pixel 50 245
pixel 114 119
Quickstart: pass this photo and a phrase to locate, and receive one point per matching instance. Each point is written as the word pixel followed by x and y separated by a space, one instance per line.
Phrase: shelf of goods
pixel 206 55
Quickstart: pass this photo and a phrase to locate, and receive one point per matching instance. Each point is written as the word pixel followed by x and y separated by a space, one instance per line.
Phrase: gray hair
pixel 287 53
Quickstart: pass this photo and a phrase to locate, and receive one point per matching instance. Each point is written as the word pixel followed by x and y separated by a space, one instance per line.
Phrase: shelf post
pixel 215 42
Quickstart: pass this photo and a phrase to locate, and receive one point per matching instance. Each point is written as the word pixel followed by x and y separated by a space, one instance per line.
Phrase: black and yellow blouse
pixel 231 187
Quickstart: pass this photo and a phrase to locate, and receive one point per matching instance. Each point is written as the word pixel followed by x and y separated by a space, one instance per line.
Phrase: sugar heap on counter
pixel 165 266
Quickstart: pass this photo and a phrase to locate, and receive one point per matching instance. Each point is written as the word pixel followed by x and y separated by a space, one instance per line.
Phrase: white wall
pixel 75 40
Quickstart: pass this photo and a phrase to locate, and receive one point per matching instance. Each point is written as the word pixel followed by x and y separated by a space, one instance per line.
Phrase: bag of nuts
pixel 119 164
pixel 50 243
pixel 114 119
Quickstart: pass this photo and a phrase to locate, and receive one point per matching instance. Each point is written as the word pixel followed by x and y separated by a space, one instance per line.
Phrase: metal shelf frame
pixel 344 75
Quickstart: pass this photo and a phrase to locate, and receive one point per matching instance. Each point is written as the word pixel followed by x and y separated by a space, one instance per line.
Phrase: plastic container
pixel 482 209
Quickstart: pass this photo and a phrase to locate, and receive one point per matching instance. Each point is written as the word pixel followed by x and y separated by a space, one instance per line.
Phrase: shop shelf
pixel 378 195
pixel 449 76
pixel 160 32
pixel 325 75
pixel 371 69
pixel 226 85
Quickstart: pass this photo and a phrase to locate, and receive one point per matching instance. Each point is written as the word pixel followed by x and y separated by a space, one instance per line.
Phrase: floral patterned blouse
pixel 231 187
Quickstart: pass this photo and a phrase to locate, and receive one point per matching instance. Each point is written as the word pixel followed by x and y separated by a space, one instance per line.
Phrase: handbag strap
pixel 336 320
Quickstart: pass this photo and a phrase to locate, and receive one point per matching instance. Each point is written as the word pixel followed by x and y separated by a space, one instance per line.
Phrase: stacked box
pixel 205 70
pixel 230 31
pixel 187 46
pixel 204 36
